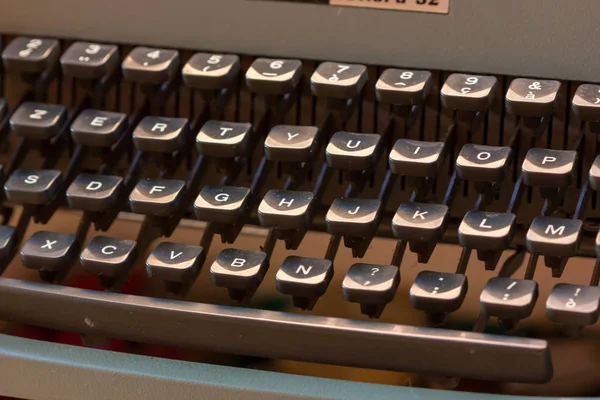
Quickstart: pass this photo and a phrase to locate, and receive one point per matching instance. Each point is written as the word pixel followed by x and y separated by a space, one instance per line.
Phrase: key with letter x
pixel 50 253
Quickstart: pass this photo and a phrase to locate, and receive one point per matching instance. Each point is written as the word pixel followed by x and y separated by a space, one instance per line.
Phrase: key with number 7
pixel 339 81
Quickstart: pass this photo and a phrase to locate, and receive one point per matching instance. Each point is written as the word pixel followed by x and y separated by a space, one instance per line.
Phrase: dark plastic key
pixel 32 186
pixel 273 76
pixel 353 151
pixel 175 262
pixel 33 55
pixel 532 98
pixel 96 193
pixel 160 135
pixel 422 225
pixel 86 60
pixel 486 231
pixel 224 139
pixel 402 87
pixel 306 279
pixel 594 175
pixel 286 209
pixel 108 257
pixel 338 81
pixel 159 197
pixel 373 286
pixel 508 299
pixel 554 237
pixel 49 251
pixel 575 305
pixel 96 128
pixel 8 243
pixel 151 66
pixel 438 292
pixel 38 120
pixel 469 92
pixel 240 271
pixel 353 217
pixel 206 71
pixel 549 168
pixel 479 163
pixel 416 158
pixel 586 102
pixel 223 204
pixel 289 143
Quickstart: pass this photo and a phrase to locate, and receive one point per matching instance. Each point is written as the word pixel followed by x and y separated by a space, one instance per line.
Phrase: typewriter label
pixel 429 6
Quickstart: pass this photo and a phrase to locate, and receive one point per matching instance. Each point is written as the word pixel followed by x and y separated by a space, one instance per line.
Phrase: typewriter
pixel 299 199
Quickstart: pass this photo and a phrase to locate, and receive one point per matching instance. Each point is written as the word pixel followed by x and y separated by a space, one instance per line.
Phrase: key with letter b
pixel 240 271
pixel 306 279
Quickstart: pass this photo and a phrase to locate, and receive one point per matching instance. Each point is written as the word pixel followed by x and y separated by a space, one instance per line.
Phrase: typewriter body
pixel 299 199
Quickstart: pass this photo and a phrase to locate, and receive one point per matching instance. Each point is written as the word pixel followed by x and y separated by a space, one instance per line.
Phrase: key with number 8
pixel 402 87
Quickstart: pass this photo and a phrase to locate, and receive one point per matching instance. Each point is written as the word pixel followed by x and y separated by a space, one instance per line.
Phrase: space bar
pixel 278 335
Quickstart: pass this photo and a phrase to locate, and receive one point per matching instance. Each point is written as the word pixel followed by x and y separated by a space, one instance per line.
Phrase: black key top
pixel 207 71
pixel 338 81
pixel 289 143
pixel 353 151
pixel 373 286
pixel 108 257
pixel 96 128
pixel 286 209
pixel 555 237
pixel 438 292
pixel 273 76
pixel 573 304
pixel 549 168
pixel 532 98
pixel 422 225
pixel 353 217
pixel 85 60
pixel 175 262
pixel 469 92
pixel 486 231
pixel 3 108
pixel 403 87
pixel 151 66
pixel 49 251
pixel 160 135
pixel 510 299
pixel 38 120
pixel 32 186
pixel 96 193
pixel 223 204
pixel 241 271
pixel 8 242
pixel 594 175
pixel 306 279
pixel 224 139
pixel 34 55
pixel 586 102
pixel 159 197
pixel 479 163
pixel 416 158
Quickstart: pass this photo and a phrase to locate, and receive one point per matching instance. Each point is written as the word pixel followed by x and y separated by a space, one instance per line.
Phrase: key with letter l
pixel 240 271
pixel 373 286
pixel 306 279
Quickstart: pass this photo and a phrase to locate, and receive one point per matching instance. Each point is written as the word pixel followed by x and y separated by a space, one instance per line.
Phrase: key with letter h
pixel 305 279
pixel 240 271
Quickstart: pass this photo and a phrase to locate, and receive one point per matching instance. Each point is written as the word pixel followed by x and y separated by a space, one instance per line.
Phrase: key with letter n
pixel 306 279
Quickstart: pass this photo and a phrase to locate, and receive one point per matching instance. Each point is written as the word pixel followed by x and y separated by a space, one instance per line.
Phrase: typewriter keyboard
pixel 262 190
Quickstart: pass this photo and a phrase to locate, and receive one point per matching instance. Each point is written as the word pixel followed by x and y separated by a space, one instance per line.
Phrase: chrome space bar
pixel 277 335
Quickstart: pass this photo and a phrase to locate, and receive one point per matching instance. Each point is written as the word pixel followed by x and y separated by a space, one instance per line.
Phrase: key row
pixel 531 98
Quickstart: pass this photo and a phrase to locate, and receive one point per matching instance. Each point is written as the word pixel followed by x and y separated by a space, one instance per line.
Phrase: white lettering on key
pixel 351 146
pixel 550 229
pixel 548 159
pixel 355 211
pixel 98 121
pixel 417 150
pixel 483 225
pixel 238 262
pixel 303 269
pixel 465 90
pixel 31 179
pixel 174 256
pixel 222 197
pixel 108 250
pixel 49 244
pixel 420 214
pixel 287 203
pixel 159 127
pixel 290 136
pixel 484 156
pixel 38 114
pixel 225 130
pixel 93 186
pixel 597 100
pixel 92 49
pixel 157 189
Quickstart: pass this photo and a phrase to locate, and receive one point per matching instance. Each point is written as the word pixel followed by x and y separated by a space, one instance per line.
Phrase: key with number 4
pixel 146 65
